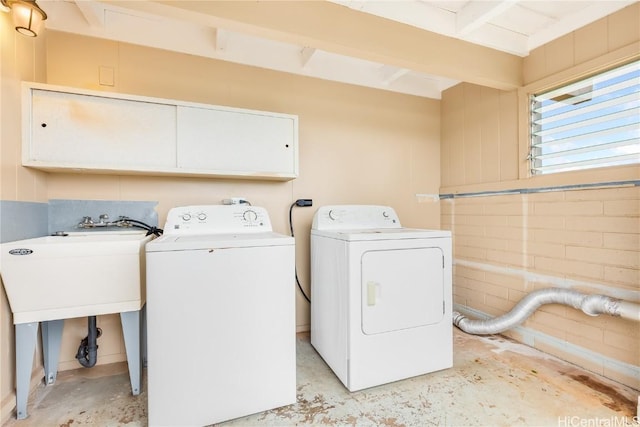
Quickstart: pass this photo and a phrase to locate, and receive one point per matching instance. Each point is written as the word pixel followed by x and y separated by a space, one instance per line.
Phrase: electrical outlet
pixel 234 201
pixel 304 202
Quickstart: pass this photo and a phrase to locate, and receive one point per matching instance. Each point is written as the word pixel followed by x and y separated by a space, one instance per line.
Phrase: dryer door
pixel 401 289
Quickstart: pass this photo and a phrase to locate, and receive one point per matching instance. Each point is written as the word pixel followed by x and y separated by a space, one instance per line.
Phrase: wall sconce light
pixel 27 16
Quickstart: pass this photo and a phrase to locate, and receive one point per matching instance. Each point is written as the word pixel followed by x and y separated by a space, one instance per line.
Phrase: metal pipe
pixel 629 310
pixel 593 305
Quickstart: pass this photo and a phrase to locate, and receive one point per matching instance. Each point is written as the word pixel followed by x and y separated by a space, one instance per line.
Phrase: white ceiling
pixel 512 26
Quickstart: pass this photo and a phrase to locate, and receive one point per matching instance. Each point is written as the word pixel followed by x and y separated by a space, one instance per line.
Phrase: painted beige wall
pixel 357 145
pixel 483 140
pixel 479 135
pixel 584 45
pixel 21 58
pixel 508 245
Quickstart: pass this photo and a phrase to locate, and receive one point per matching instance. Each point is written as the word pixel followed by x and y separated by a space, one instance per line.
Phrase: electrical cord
pixel 139 224
pixel 299 202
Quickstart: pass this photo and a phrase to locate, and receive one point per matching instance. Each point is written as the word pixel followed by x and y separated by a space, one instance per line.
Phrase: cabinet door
pixel 237 142
pixel 84 131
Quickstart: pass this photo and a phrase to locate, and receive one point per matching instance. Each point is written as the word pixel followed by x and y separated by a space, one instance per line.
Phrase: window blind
pixel 594 122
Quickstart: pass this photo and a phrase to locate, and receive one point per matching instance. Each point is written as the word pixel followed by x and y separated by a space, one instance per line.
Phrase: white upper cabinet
pixel 96 132
pixel 238 141
pixel 68 130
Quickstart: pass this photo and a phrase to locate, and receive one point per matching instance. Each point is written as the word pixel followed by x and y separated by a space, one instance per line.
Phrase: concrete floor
pixel 495 381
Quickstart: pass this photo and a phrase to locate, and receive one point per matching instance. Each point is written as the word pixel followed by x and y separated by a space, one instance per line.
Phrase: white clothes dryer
pixel 381 295
pixel 220 316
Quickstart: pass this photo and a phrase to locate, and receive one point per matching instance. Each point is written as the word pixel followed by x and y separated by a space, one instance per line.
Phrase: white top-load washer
pixel 220 316
pixel 380 295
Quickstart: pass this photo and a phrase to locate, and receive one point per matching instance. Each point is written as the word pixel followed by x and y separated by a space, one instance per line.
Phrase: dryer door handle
pixel 373 291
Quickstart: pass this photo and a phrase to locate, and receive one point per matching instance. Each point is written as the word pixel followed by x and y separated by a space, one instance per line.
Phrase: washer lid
pixel 381 234
pixel 179 242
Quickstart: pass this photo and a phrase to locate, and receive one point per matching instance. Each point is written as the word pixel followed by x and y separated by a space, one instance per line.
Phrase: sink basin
pixel 77 275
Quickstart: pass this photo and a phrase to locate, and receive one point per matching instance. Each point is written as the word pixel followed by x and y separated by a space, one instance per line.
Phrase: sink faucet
pixel 87 222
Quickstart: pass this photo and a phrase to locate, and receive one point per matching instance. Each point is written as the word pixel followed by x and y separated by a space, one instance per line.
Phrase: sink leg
pixel 51 342
pixel 131 331
pixel 26 335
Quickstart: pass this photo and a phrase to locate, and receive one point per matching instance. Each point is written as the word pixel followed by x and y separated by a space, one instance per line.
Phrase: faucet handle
pixel 103 217
pixel 86 222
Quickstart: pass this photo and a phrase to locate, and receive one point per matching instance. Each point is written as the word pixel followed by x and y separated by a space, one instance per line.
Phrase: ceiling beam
pixel 92 12
pixel 305 55
pixel 477 13
pixel 221 38
pixel 391 74
pixel 334 28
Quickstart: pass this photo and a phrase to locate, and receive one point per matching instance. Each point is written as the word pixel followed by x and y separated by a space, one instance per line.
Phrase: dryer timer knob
pixel 186 217
pixel 250 216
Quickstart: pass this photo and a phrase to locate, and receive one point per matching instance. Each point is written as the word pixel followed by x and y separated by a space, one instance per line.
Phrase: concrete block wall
pixel 506 246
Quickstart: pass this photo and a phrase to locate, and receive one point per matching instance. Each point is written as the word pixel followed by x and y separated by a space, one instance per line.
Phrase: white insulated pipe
pixel 629 310
pixel 593 305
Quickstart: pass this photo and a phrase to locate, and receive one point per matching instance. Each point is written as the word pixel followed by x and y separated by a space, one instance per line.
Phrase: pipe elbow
pixel 458 318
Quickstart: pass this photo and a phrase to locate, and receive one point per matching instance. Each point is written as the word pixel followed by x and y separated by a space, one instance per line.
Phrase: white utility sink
pixel 77 275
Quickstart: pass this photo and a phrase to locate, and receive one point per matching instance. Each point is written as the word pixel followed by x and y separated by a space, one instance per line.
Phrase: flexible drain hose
pixel 592 305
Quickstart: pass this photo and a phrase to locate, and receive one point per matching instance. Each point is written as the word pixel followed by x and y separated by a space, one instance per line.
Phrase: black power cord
pixel 139 224
pixel 299 202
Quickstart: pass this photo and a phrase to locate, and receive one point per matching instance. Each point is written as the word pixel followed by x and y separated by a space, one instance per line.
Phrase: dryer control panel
pixel 352 217
pixel 213 219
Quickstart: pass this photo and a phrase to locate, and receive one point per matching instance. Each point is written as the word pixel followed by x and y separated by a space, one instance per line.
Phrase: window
pixel 594 122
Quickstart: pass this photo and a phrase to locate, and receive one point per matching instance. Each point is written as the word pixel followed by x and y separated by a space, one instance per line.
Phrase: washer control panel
pixel 349 217
pixel 211 219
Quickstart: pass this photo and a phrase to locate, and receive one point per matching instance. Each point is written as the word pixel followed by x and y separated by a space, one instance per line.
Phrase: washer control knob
pixel 202 216
pixel 186 217
pixel 385 214
pixel 333 215
pixel 250 215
